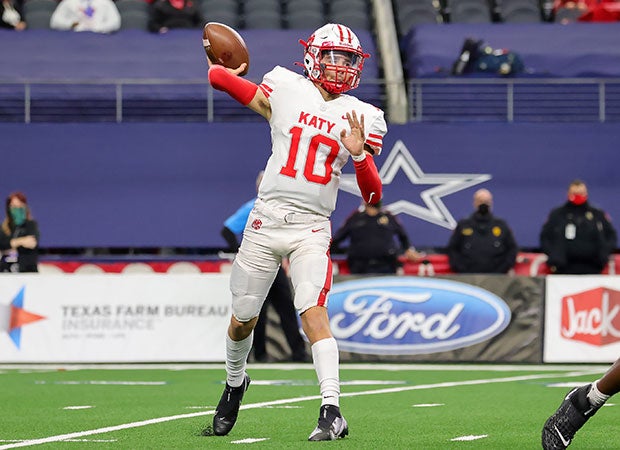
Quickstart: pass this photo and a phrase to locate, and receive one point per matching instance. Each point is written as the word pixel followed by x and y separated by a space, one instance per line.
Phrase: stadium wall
pixel 173 184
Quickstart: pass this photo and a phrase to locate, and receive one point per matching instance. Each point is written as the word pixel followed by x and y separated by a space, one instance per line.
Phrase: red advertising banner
pixel 582 320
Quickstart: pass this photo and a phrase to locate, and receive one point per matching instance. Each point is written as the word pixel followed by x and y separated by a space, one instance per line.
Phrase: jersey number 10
pixel 316 140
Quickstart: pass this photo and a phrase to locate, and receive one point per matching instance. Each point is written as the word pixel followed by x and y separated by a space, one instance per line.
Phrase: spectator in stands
pixel 19 236
pixel 11 15
pixel 482 243
pixel 99 16
pixel 373 248
pixel 591 10
pixel 577 237
pixel 279 295
pixel 167 14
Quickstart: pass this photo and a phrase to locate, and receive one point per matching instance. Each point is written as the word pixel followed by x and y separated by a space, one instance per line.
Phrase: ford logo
pixel 411 315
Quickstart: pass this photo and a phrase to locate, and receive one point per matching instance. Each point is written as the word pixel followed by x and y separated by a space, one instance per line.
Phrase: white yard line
pixel 79 434
pixel 294 366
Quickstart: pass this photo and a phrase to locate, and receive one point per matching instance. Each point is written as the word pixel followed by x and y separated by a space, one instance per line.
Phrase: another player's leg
pixel 577 407
pixel 249 287
pixel 574 411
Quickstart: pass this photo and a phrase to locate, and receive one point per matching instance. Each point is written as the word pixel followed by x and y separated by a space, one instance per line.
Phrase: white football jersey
pixel 303 171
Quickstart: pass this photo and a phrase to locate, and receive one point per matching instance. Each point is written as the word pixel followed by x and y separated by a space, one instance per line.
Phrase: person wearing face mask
pixel 577 237
pixel 377 240
pixel 482 243
pixel 19 234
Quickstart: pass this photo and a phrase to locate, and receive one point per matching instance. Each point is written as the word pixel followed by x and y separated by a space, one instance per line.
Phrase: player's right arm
pixel 242 90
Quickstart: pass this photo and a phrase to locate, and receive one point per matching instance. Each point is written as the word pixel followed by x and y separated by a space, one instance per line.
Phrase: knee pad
pixel 248 292
pixel 307 295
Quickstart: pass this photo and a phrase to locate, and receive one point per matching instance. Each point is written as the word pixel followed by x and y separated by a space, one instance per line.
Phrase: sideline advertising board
pixel 469 318
pixel 582 323
pixel 113 318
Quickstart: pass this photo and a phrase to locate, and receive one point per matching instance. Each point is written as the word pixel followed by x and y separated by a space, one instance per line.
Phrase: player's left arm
pixel 361 151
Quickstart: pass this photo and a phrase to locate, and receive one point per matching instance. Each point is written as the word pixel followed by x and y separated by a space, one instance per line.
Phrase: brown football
pixel 225 46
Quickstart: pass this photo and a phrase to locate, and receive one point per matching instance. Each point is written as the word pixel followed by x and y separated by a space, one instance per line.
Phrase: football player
pixel 577 407
pixel 315 128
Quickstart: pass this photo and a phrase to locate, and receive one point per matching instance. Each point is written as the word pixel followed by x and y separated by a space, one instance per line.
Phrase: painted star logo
pixel 13 317
pixel 442 184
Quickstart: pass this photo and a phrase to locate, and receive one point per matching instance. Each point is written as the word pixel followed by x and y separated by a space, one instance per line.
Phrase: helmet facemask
pixel 334 58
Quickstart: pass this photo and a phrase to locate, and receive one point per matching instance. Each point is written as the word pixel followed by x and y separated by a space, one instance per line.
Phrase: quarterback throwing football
pixel 315 128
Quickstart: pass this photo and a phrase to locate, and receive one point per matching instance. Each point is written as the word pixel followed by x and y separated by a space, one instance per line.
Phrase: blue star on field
pixel 433 209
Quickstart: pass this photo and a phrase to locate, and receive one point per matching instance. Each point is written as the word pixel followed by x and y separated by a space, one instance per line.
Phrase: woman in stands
pixel 19 236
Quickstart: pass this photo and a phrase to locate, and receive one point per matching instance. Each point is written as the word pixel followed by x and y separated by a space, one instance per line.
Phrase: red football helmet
pixel 334 58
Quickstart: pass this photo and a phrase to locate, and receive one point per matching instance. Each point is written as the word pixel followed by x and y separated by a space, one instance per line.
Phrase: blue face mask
pixel 18 215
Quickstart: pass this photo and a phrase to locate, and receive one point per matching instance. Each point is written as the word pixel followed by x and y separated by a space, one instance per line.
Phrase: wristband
pixel 358 158
pixel 238 88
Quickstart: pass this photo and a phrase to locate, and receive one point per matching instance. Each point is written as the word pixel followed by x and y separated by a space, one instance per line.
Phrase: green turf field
pixel 387 406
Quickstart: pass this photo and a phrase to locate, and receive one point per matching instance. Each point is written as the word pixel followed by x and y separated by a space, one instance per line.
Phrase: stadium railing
pixel 429 100
pixel 515 100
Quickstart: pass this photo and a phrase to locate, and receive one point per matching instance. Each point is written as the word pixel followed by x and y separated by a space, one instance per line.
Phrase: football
pixel 225 46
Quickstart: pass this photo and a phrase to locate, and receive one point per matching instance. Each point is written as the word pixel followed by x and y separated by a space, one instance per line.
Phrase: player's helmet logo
pixel 334 58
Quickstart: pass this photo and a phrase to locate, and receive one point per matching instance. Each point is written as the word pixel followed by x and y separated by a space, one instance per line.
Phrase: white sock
pixel 236 359
pixel 326 359
pixel 596 397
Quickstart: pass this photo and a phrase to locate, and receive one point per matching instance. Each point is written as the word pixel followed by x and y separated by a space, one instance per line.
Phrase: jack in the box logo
pixel 592 316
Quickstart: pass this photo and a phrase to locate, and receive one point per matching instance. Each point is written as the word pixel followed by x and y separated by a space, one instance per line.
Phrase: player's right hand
pixel 236 71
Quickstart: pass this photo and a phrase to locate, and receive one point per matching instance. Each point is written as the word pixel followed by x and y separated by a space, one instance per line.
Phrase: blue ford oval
pixel 411 315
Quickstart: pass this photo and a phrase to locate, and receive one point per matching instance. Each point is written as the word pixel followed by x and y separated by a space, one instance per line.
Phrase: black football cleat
pixel 228 407
pixel 559 429
pixel 331 425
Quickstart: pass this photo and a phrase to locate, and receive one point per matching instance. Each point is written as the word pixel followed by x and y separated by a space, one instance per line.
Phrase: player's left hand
pixel 354 141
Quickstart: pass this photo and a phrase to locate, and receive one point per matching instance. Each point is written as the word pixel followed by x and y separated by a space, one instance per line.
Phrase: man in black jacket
pixel 482 243
pixel 577 237
pixel 376 240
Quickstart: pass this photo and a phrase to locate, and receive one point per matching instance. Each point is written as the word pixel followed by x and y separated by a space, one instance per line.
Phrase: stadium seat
pixel 338 7
pixel 134 20
pixel 39 5
pixel 229 5
pixel 304 19
pixel 263 19
pixel 415 12
pixel 131 5
pixel 354 19
pixel 519 11
pixel 38 20
pixel 258 6
pixel 226 16
pixel 298 6
pixel 37 13
pixel 469 11
pixel 224 11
